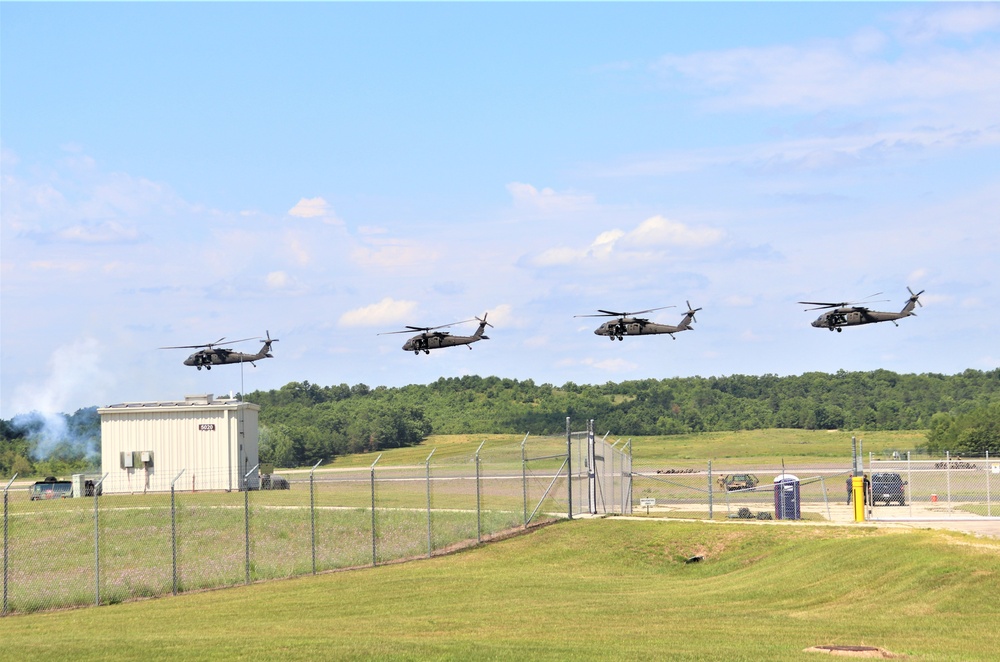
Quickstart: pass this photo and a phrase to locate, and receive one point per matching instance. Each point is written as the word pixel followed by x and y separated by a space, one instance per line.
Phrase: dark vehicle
pixel 887 487
pixel 271 482
pixel 734 482
pixel 50 488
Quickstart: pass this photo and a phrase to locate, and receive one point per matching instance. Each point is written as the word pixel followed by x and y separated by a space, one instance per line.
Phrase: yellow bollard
pixel 858 497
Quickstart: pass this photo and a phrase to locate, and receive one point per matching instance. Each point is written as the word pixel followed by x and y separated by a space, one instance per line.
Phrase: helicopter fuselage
pixel 630 326
pixel 853 316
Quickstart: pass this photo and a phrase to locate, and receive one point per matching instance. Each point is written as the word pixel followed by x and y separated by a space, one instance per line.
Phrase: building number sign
pixel 207 427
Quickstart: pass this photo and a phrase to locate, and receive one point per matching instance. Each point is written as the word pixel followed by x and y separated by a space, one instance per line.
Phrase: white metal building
pixel 145 445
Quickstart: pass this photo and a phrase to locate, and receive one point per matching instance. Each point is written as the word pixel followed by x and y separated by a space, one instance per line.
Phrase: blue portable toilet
pixel 786 497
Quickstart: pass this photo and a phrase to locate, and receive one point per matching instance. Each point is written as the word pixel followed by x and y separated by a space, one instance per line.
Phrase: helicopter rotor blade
pixel 422 329
pixel 612 313
pixel 823 304
pixel 202 346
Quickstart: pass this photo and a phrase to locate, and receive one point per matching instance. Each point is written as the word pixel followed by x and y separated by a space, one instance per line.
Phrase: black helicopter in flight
pixel 854 314
pixel 628 324
pixel 430 338
pixel 211 353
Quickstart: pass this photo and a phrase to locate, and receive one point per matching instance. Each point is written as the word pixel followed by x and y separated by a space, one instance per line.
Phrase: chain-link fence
pixel 949 488
pixel 759 492
pixel 121 544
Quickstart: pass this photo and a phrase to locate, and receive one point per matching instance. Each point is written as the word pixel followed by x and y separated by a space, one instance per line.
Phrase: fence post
pixel 312 515
pixel 989 470
pixel 6 551
pixel 947 473
pixel 374 548
pixel 909 484
pixel 628 492
pixel 430 538
pixel 246 522
pixel 569 469
pixel 591 473
pixel 173 534
pixel 97 546
pixel 709 489
pixel 826 499
pixel 479 509
pixel 524 480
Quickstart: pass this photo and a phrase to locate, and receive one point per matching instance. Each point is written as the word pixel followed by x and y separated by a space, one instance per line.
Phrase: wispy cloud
pixel 106 232
pixel 393 254
pixel 959 20
pixel 830 74
pixel 386 311
pixel 547 200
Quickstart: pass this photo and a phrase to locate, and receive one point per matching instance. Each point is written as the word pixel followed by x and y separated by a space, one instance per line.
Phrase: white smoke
pixel 74 380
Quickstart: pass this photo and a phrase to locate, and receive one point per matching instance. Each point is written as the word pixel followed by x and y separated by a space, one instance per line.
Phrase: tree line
pixel 302 423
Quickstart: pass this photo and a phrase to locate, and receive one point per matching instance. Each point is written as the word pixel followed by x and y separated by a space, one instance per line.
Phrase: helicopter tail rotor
pixel 691 311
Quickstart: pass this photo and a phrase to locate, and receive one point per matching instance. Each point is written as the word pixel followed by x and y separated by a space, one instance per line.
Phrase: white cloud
pixel 314 208
pixel 527 196
pixel 278 280
pixel 386 311
pixel 535 342
pixel 660 231
pixel 502 315
pixel 853 72
pixel 959 20
pixel 107 232
pixel 298 249
pixel 393 255
pixel 649 240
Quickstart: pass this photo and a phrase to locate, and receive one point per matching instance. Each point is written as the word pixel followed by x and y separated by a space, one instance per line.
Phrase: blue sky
pixel 177 173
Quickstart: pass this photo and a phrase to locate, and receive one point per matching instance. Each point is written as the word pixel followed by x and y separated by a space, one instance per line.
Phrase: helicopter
pixel 853 314
pixel 211 354
pixel 430 338
pixel 629 325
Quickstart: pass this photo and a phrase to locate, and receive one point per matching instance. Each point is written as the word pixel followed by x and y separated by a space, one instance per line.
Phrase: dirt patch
pixel 855 651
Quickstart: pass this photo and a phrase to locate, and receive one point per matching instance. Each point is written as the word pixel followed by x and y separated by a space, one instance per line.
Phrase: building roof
pixel 189 401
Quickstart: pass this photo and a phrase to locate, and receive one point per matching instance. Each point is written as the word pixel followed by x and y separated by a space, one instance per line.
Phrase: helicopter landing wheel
pixel 416 352
pixel 839 329
pixel 427 351
pixel 621 338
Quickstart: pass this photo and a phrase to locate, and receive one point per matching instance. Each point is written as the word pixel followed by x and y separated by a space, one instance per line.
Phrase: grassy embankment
pixel 608 589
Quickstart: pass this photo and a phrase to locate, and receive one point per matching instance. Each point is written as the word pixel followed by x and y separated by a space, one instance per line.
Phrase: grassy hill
pixel 594 589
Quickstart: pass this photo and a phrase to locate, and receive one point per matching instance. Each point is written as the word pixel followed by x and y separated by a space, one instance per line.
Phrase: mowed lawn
pixel 590 589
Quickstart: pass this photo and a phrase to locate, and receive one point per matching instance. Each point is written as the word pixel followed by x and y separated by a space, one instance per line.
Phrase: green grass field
pixel 593 589
pixel 736 448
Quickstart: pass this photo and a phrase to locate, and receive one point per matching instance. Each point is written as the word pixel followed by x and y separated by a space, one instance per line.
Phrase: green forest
pixel 302 423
